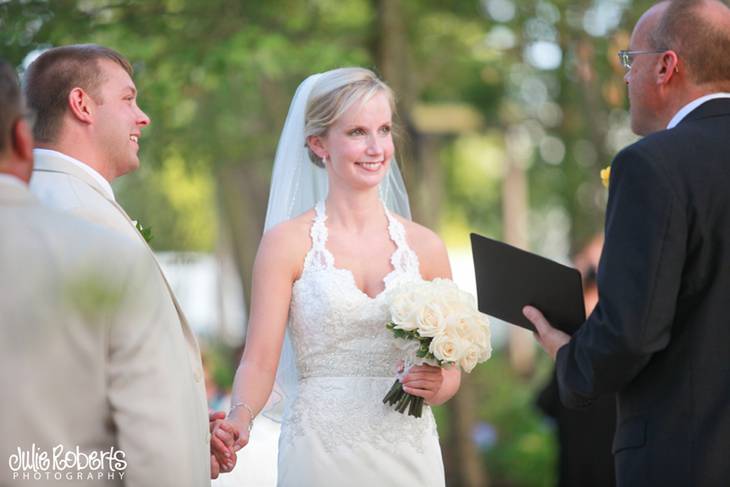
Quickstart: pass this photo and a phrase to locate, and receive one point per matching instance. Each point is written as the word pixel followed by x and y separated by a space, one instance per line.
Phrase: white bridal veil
pixel 296 186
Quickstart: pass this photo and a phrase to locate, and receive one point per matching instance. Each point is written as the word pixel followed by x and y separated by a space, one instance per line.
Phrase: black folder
pixel 508 279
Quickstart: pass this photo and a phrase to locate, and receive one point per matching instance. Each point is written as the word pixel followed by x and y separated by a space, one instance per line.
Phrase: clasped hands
pixel 225 441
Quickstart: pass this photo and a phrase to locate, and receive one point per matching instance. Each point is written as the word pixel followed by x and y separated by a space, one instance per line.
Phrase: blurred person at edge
pixel 90 353
pixel 583 436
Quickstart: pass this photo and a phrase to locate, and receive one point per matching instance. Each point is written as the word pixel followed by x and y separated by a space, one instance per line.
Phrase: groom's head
pixel 16 156
pixel 84 101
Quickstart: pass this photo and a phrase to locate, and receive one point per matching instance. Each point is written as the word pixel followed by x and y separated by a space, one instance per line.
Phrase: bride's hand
pixel 223 437
pixel 236 434
pixel 423 381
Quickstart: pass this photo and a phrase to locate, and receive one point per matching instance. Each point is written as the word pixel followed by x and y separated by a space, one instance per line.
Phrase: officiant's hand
pixel 549 338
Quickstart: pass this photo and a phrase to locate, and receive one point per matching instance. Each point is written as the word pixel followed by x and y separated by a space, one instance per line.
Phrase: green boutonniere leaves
pixel 145 232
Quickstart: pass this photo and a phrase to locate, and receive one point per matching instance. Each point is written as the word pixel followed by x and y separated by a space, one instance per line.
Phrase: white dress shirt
pixel 105 186
pixel 685 110
pixel 12 180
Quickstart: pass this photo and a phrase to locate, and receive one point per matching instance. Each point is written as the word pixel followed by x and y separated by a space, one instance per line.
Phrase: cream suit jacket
pixel 63 186
pixel 92 354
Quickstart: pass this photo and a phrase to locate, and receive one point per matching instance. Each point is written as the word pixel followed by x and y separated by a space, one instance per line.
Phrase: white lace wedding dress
pixel 338 431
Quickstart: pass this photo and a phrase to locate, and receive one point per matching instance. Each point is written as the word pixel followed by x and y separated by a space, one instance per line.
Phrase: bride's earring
pixel 324 160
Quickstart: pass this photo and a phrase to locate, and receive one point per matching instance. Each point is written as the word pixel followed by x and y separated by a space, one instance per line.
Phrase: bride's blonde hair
pixel 333 94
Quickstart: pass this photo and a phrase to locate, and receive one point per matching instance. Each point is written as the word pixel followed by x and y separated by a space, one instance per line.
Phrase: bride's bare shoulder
pixel 288 241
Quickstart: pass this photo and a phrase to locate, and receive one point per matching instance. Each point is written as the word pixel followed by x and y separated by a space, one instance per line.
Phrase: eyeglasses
pixel 627 57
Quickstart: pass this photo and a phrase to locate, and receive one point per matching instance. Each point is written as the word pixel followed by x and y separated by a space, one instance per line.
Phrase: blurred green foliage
pixel 216 78
pixel 517 442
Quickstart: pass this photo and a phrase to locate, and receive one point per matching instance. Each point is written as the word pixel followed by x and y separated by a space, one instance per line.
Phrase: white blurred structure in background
pixel 210 292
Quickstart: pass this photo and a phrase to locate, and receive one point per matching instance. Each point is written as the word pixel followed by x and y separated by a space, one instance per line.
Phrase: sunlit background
pixel 508 110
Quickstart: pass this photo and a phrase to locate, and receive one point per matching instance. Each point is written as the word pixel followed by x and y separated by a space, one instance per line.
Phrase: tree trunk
pixel 515 217
pixel 467 467
pixel 242 201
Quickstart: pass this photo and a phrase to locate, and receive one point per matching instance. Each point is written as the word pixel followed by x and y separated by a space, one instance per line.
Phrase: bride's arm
pixel 435 385
pixel 275 268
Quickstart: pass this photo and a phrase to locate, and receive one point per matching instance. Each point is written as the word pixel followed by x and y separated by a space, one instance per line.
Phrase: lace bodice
pixel 345 356
pixel 338 330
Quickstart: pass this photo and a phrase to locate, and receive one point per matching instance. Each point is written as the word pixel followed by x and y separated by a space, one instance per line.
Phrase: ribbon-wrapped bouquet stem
pixel 437 324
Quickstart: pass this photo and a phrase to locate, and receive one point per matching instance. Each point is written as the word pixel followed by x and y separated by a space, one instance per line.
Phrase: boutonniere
pixel 606 175
pixel 145 232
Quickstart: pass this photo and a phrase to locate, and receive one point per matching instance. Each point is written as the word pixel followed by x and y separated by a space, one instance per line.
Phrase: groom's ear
pixel 316 145
pixel 22 140
pixel 80 105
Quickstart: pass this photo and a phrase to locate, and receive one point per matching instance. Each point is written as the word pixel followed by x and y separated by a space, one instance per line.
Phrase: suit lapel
pixel 57 165
pixel 186 328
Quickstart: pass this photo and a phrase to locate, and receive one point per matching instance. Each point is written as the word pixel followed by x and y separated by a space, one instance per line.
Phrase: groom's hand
pixel 222 456
pixel 549 338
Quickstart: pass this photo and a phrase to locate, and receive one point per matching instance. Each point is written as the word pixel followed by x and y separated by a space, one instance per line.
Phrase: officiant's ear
pixel 667 66
pixel 81 105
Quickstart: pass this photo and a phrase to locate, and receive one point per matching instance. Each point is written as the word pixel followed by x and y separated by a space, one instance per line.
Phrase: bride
pixel 319 298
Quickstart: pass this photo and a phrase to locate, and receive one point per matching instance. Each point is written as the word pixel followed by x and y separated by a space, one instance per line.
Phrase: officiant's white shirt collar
pixel 13 181
pixel 685 110
pixel 105 186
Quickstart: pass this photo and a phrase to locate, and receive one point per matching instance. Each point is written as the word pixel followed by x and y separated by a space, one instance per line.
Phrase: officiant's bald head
pixel 678 52
pixel 16 142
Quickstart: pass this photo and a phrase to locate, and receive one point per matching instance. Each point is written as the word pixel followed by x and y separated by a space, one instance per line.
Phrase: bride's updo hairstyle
pixel 333 94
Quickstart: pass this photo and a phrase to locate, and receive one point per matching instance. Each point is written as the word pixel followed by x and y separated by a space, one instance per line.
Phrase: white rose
pixel 480 335
pixel 430 320
pixel 447 347
pixel 467 300
pixel 403 309
pixel 470 359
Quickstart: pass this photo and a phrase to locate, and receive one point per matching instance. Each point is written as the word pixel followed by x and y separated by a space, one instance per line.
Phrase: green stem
pixel 403 403
pixel 394 393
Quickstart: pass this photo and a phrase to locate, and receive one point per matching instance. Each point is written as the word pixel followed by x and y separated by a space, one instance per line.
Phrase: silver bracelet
pixel 242 404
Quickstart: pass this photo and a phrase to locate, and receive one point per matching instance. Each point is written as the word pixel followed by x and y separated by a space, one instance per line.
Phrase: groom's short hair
pixel 11 103
pixel 51 77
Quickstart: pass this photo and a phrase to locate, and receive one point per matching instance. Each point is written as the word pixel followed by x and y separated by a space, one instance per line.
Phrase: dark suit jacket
pixel 660 335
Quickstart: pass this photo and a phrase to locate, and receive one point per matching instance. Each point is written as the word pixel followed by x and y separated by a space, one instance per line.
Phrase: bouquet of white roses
pixel 441 326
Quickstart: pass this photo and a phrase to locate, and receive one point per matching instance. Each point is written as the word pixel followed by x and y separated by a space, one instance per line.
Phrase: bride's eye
pixel 385 129
pixel 357 131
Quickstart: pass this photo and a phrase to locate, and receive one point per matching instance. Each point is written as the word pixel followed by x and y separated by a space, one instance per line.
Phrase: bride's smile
pixel 358 147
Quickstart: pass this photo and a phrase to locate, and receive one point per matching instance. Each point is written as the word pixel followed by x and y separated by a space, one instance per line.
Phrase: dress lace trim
pixel 403 259
pixel 345 356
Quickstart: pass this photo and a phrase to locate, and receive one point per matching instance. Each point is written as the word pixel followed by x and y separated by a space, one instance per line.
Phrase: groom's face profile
pixel 119 120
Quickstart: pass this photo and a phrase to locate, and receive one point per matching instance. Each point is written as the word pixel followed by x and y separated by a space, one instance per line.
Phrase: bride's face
pixel 359 145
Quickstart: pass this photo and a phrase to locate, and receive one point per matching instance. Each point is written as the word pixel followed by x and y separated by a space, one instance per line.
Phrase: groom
pixel 87 132
pixel 660 335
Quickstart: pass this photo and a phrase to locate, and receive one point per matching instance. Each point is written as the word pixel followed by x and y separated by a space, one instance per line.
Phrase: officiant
pixel 660 334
